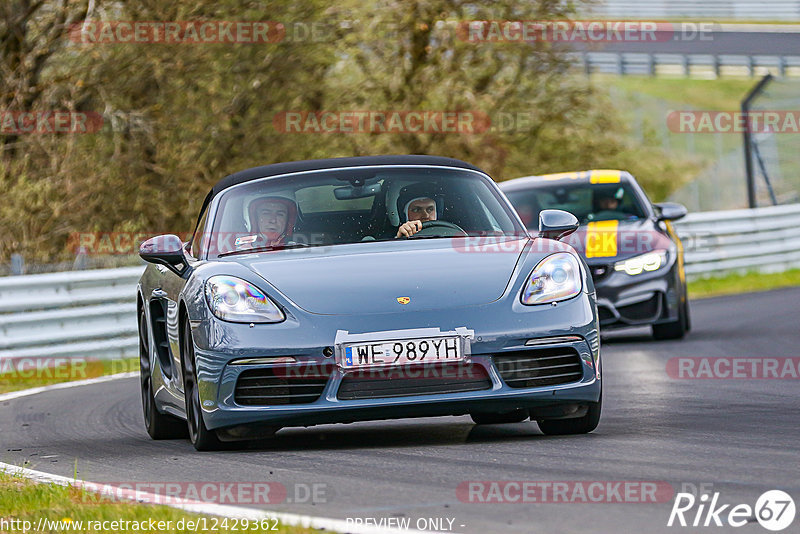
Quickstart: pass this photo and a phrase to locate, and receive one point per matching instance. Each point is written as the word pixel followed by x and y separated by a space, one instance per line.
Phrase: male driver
pixel 417 211
pixel 605 200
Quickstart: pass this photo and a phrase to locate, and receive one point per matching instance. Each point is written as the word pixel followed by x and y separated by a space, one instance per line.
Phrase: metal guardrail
pixel 79 313
pixel 706 65
pixel 721 242
pixel 92 313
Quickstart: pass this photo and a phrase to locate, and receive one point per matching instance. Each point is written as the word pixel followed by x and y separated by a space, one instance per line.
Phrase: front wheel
pixel 676 329
pixel 158 425
pixel 578 425
pixel 202 438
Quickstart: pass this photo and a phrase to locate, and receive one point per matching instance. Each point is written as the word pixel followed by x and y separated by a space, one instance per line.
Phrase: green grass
pixel 743 283
pixel 20 377
pixel 24 500
pixel 722 94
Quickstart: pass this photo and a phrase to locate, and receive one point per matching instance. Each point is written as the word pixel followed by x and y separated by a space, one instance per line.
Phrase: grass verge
pixel 25 373
pixel 71 509
pixel 723 94
pixel 742 283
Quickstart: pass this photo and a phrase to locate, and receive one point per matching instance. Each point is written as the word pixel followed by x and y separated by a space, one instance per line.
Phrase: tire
pixel 686 314
pixel 159 426
pixel 578 425
pixel 202 438
pixel 675 329
pixel 515 416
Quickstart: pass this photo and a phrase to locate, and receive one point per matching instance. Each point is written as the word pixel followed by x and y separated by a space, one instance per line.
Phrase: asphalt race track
pixel 741 435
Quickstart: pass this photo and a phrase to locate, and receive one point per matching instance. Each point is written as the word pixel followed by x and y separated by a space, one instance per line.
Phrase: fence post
pixel 17 264
pixel 80 260
pixel 748 140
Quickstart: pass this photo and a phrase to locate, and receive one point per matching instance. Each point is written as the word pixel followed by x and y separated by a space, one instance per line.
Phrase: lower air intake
pixel 280 386
pixel 539 367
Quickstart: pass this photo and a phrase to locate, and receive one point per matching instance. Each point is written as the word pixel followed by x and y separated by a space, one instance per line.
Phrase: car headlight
pixel 651 261
pixel 557 277
pixel 236 300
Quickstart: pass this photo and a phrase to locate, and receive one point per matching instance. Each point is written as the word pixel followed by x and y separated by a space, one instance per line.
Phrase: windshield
pixel 339 206
pixel 588 202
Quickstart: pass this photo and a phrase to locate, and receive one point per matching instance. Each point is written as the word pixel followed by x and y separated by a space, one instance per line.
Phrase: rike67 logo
pixel 774 510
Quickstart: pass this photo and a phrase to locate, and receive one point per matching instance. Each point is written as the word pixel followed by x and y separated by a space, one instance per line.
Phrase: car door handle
pixel 159 293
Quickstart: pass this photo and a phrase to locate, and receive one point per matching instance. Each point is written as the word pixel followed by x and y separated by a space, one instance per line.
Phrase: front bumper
pixel 642 299
pixel 497 331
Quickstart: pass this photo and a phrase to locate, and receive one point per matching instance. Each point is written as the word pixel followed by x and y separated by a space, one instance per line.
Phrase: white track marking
pixel 66 385
pixel 198 507
pixel 205 508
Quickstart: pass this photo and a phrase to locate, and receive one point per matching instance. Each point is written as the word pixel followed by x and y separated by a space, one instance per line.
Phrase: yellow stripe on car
pixel 562 176
pixel 603 176
pixel 601 239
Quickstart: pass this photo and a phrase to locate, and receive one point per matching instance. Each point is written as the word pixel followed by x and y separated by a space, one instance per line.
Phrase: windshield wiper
pixel 267 248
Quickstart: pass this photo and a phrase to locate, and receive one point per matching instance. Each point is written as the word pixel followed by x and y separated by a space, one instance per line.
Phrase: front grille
pixel 413 380
pixel 280 385
pixel 539 367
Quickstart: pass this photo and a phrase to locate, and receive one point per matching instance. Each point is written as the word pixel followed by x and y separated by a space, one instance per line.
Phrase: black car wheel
pixel 577 425
pixel 202 438
pixel 675 329
pixel 687 316
pixel 515 416
pixel 158 425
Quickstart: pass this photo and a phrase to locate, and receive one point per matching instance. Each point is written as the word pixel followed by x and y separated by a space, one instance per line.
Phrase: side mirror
pixel 670 211
pixel 555 224
pixel 165 250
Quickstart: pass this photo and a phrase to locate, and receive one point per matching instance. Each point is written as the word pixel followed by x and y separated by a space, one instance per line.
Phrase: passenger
pixel 272 220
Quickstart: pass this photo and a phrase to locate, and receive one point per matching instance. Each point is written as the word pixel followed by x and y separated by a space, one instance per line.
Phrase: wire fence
pixel 775 154
pixel 721 184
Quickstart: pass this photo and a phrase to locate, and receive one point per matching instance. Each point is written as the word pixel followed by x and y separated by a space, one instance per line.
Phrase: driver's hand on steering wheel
pixel 407 229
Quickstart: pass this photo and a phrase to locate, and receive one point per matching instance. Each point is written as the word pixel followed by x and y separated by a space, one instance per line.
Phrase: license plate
pixel 402 352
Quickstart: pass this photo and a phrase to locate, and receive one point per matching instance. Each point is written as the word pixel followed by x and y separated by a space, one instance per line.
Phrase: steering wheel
pixel 440 228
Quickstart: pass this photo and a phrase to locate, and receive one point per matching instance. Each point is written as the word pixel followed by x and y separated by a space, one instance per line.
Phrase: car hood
pixel 625 239
pixel 371 277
